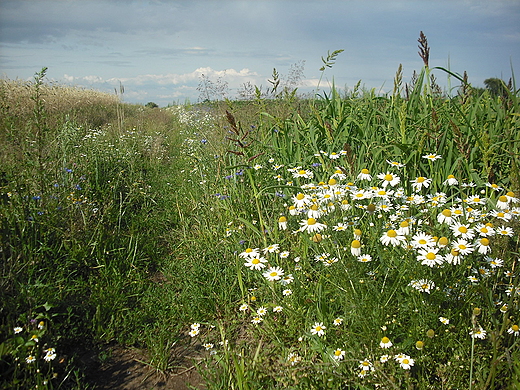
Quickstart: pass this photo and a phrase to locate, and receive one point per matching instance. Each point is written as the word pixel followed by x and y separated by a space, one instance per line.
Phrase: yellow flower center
pixel 344 201
pixel 355 244
pixel 404 224
pixel 446 212
pixel 385 340
pixel 311 221
pixel 420 179
pixel 255 261
pixel 443 241
pixel 273 274
pixel 391 233
pixel 389 177
pixel 431 256
pixel 500 215
pixel 511 194
pixel 405 361
pixel 249 250
pixel 462 246
pixel 302 172
pixel 451 177
pixel 332 182
pixel 357 232
pixel 515 328
pixel 484 241
pixel 365 171
pixel 300 196
pixel 282 219
pixel 463 229
pixel 314 207
pixel 502 198
pixel 422 241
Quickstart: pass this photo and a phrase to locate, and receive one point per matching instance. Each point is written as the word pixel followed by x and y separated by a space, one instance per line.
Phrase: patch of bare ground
pixel 127 369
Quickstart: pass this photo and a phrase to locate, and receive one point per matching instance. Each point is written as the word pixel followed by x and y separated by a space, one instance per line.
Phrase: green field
pixel 343 241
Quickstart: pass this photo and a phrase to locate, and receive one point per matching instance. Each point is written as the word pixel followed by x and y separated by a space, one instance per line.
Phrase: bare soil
pixel 126 369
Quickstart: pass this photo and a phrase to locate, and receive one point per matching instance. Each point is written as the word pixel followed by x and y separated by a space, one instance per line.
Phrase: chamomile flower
pixel 463 247
pixel 391 237
pixel 430 257
pixel 444 320
pixel 484 230
pixel 423 285
pixel 338 354
pixel 208 346
pixel 340 227
pixel 262 311
pixel 294 358
pixel 243 307
pixel 422 240
pixel 514 330
pixel 194 332
pixel 420 183
pixel 355 248
pixel 273 248
pixel 389 179
pixel 450 181
pixel 249 253
pixel 475 200
pixel 406 363
pixel 366 365
pixel 282 223
pixel 256 263
pixel 287 292
pixel 502 215
pixel 478 333
pixel 284 254
pixel 334 156
pixel 364 258
pixel 277 309
pixel 30 359
pixel 502 202
pixel 50 354
pixel 287 279
pixel 338 321
pixel 256 320
pixel 303 173
pixel 395 164
pixel 483 246
pixel 446 216
pixel 493 186
pixel 462 230
pixel 495 263
pixel 505 231
pixel 432 157
pixel 364 175
pixel 311 225
pixel 453 257
pixel 273 273
pixel 17 330
pixel 301 200
pixel 385 342
pixel 318 329
pixel 384 358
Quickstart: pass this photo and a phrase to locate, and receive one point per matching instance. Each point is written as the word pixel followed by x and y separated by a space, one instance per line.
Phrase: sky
pixel 159 50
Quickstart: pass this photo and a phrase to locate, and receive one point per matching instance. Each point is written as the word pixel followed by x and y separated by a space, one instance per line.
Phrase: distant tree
pixel 496 87
pixel 151 105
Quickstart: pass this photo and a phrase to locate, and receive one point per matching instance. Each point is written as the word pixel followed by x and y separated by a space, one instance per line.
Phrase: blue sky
pixel 159 49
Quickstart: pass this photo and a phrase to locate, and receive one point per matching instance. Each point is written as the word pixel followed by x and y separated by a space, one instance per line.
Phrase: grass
pixel 295 243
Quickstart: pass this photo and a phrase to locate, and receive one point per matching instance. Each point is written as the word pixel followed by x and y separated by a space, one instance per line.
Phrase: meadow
pixel 343 241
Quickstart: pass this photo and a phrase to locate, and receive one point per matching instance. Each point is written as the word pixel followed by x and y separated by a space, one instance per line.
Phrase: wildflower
pixel 364 258
pixel 512 197
pixel 444 320
pixel 34 338
pixel 340 227
pixel 256 320
pixel 446 216
pixel 505 231
pixel 262 311
pixel 389 179
pixel 384 358
pixel 282 223
pixel 301 200
pixel 483 246
pixel 423 285
pixel 208 346
pixel 287 292
pixel 284 254
pixel 277 309
pixel 345 205
pixel 395 164
pixel 256 263
pixel 504 308
pixel 338 321
pixel 475 200
pixel 453 257
pixel 334 156
pixel 194 332
pixel 338 354
pixel 287 279
pixel 366 365
pixel 364 175
pixel 422 240
pixel 355 248
pixel 462 230
pixel 271 248
pixel 243 307
pixel 357 234
pixel 249 253
pixel 30 359
pixel 303 173
pixel 504 216
pixel 273 273
pixel 430 257
pixel 478 333
pixel 484 230
pixel 17 330
pixel 392 238
pixel 450 181
pixel 406 363
pixel 463 247
pixel 50 354
pixel 311 225
pixel 385 342
pixel 41 325
pixel 318 329
pixel 442 242
pixel 420 182
pixel 493 186
pixel 502 202
pixel 514 330
pixel 294 358
pixel 432 157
